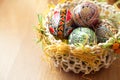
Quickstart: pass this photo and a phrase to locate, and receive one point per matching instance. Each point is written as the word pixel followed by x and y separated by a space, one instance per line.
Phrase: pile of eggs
pixel 81 25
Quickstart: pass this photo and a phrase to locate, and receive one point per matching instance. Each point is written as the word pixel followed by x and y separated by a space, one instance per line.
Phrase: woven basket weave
pixel 90 58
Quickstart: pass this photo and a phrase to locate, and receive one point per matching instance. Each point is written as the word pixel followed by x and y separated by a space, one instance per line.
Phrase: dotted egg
pixel 105 30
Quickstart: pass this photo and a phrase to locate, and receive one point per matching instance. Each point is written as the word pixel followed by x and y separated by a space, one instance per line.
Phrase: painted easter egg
pixel 82 35
pixel 61 22
pixel 105 30
pixel 86 14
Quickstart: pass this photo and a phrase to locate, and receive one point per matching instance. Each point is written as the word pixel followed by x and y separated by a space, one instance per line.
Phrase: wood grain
pixel 21 57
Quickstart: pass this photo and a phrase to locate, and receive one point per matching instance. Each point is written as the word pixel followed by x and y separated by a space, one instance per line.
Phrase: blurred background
pixel 19 53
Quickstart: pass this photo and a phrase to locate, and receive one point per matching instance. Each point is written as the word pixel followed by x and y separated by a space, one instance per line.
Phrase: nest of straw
pixel 86 58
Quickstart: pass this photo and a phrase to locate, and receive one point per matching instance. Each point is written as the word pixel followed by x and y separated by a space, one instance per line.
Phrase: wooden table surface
pixel 20 56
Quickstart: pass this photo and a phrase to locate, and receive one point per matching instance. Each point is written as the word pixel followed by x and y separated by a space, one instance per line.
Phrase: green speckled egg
pixel 82 35
pixel 105 30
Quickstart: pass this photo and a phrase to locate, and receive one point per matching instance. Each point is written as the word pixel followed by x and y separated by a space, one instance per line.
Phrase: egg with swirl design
pixel 86 14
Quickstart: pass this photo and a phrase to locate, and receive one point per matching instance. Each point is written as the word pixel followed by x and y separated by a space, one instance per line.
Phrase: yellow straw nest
pixel 84 58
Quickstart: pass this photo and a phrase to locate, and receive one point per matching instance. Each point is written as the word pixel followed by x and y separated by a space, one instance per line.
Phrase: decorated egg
pixel 105 30
pixel 60 23
pixel 82 35
pixel 86 14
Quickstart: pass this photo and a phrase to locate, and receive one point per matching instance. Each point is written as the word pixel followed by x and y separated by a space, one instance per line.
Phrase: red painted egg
pixel 60 23
pixel 86 14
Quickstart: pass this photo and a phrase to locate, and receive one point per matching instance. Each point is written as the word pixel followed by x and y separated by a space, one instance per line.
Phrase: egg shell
pixel 60 23
pixel 105 30
pixel 82 35
pixel 86 14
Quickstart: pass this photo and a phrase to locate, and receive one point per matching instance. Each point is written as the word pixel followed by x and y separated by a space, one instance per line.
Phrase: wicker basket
pixel 84 59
